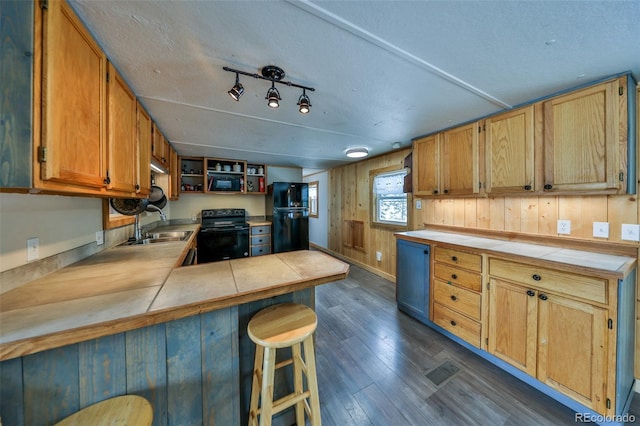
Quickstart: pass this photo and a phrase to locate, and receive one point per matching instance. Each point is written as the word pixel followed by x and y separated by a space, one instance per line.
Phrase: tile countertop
pixel 127 287
pixel 578 260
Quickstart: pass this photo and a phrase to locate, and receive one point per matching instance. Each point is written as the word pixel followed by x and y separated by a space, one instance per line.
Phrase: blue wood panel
pixel 146 364
pixel 51 385
pixel 11 391
pixel 220 380
pixel 184 388
pixel 101 364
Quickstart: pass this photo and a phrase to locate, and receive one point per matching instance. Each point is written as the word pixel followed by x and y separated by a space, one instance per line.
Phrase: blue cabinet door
pixel 412 279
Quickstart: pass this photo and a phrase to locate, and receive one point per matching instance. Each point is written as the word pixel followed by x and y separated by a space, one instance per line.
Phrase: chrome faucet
pixel 163 217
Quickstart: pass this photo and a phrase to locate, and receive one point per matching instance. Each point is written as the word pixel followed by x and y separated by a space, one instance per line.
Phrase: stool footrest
pixel 289 401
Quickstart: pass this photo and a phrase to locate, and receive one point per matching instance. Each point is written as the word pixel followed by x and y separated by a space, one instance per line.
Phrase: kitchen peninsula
pixel 128 321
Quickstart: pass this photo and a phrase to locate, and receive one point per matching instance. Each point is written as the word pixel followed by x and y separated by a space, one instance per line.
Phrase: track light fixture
pixel 273 96
pixel 304 103
pixel 237 90
pixel 275 75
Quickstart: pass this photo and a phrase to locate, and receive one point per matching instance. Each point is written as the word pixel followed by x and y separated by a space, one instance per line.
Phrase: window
pixel 389 202
pixel 313 199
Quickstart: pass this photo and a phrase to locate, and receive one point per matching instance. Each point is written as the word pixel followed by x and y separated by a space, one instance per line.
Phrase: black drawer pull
pixel 453 323
pixel 454 258
pixel 454 276
pixel 536 277
pixel 446 191
pixel 527 187
pixel 543 297
pixel 435 191
pixel 547 186
pixel 453 298
pixel 530 293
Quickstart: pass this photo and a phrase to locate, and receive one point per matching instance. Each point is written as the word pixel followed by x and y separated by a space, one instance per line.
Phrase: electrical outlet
pixel 99 238
pixel 564 227
pixel 601 229
pixel 33 249
pixel 378 256
pixel 630 232
pixel 418 204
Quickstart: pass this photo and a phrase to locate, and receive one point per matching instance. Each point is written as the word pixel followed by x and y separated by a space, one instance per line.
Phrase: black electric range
pixel 224 234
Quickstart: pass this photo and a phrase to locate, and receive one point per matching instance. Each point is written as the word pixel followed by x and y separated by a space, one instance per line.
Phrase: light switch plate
pixel 564 227
pixel 630 232
pixel 601 229
pixel 418 204
pixel 99 238
pixel 33 249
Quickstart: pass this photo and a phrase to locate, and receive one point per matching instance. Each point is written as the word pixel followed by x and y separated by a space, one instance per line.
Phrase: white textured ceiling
pixel 384 71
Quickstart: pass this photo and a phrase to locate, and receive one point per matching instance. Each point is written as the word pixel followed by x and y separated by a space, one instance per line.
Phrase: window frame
pixel 373 205
pixel 312 212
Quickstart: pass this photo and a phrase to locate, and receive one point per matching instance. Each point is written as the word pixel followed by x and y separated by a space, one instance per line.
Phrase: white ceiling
pixel 384 71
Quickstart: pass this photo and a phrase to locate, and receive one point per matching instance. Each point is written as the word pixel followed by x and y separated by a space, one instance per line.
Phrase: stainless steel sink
pixel 160 237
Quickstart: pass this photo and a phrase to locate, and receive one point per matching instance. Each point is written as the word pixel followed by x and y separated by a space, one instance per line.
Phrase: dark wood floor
pixel 373 361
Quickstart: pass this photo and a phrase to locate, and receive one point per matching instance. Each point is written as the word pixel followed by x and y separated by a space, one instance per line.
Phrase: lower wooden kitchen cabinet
pixel 566 331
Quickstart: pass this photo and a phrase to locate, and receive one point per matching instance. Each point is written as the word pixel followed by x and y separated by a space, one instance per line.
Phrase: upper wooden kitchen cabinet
pixel 174 175
pixel 585 140
pixel 122 135
pixel 72 148
pixel 459 160
pixel 426 169
pixel 144 151
pixel 509 152
pixel 160 148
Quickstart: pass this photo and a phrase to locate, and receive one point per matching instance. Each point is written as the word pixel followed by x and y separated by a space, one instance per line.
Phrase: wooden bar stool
pixel 281 326
pixel 131 410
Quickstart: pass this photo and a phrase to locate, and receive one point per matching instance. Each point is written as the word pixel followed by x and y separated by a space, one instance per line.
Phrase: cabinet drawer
pixel 260 239
pixel 559 282
pixel 470 261
pixel 260 250
pixel 457 324
pixel 460 300
pixel 257 230
pixel 459 277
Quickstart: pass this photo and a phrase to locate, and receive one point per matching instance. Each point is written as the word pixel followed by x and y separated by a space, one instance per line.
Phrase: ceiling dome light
pixel 357 152
pixel 237 90
pixel 304 103
pixel 273 97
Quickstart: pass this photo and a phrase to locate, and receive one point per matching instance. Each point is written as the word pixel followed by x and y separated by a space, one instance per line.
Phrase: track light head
pixel 304 103
pixel 237 90
pixel 273 96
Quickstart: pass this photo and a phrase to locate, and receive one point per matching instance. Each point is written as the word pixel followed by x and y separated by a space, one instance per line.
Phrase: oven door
pixel 222 243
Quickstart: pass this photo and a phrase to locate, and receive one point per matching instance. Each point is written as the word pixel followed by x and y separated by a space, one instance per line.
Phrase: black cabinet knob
pixel 435 191
pixel 446 191
pixel 548 186
pixel 454 298
pixel 543 297
pixel 531 293
pixel 454 276
pixel 527 187
pixel 426 252
pixel 454 258
pixel 453 323
pixel 536 277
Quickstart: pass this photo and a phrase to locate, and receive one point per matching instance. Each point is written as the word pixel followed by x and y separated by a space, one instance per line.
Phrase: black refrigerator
pixel 287 208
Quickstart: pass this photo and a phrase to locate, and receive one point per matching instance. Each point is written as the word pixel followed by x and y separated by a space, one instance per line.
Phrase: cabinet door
pixel 174 175
pixel 159 147
pixel 412 279
pixel 572 347
pixel 122 155
pixel 73 89
pixel 459 165
pixel 509 152
pixel 144 151
pixel 426 165
pixel 513 324
pixel 582 140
